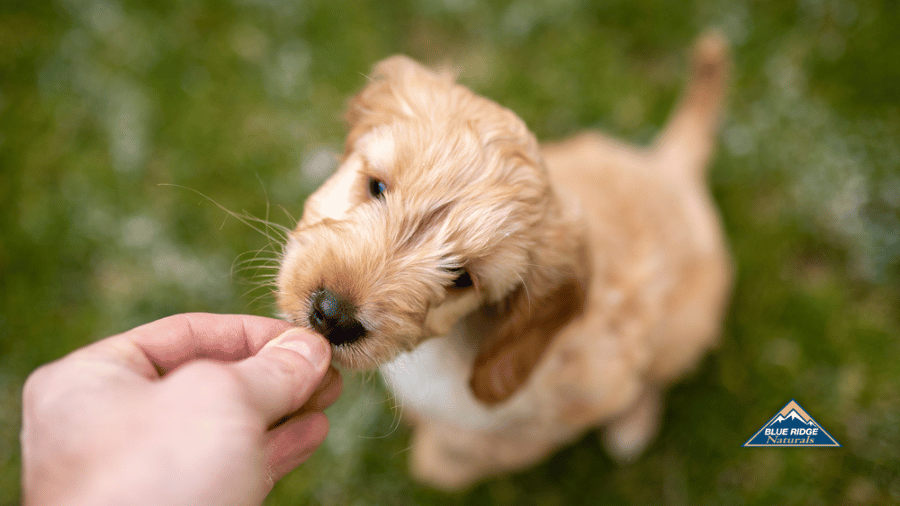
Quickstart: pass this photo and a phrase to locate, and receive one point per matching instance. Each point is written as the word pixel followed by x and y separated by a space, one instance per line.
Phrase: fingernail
pixel 308 345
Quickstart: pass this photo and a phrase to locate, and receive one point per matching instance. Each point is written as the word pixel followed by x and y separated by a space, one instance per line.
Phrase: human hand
pixel 191 409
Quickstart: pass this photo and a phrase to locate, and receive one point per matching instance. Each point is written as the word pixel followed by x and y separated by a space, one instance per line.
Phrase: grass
pixel 104 105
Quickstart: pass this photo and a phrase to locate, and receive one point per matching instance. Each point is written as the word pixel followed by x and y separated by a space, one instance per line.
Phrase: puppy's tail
pixel 685 146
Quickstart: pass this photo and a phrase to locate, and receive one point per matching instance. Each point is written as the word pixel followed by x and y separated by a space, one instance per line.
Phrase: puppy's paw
pixel 627 437
pixel 442 458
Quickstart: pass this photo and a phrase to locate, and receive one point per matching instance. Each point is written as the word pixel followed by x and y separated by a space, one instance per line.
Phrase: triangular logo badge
pixel 792 426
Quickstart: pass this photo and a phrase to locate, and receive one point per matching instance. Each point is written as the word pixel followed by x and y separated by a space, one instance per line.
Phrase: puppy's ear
pixel 398 87
pixel 528 320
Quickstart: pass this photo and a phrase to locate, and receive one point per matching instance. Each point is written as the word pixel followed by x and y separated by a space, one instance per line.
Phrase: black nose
pixel 335 317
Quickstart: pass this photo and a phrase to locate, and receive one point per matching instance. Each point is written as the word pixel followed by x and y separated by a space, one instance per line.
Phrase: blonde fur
pixel 600 272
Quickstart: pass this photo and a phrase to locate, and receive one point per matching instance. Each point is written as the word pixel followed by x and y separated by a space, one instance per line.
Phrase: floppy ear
pixel 398 87
pixel 528 320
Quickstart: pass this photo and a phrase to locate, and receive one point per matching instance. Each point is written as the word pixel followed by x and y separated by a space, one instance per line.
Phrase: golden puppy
pixel 515 295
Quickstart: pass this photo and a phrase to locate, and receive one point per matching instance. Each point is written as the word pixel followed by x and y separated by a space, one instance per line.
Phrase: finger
pixel 180 338
pixel 329 390
pixel 160 346
pixel 285 373
pixel 292 443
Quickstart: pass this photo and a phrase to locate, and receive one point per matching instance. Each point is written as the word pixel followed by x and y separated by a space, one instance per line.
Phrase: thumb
pixel 285 373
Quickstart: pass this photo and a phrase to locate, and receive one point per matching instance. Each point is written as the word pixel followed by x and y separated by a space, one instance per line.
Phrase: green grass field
pixel 105 105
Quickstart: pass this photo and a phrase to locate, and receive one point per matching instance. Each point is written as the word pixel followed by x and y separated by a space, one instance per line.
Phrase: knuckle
pixel 41 392
pixel 34 383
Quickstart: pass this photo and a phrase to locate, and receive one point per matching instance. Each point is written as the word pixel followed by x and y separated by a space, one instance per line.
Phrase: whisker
pixel 278 228
pixel 258 272
pixel 397 413
pixel 258 264
pixel 246 218
pixel 264 265
pixel 263 262
pixel 261 254
pixel 257 278
pixel 527 295
pixel 256 288
pixel 293 220
pixel 276 233
pixel 250 265
pixel 266 195
pixel 252 302
pixel 264 249
pixel 404 450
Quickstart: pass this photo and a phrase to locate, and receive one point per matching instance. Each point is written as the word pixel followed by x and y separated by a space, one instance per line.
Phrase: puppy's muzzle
pixel 334 317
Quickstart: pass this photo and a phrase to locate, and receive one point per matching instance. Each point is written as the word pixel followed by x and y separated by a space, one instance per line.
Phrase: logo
pixel 792 426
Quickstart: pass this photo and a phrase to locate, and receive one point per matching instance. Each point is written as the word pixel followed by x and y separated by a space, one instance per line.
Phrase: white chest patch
pixel 433 381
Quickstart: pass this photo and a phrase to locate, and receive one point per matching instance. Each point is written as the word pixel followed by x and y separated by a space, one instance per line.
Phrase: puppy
pixel 514 295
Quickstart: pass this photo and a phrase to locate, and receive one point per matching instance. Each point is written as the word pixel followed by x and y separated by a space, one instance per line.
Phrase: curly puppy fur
pixel 514 295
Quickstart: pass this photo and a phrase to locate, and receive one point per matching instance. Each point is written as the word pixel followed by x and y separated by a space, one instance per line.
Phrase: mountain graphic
pixel 792 426
pixel 793 415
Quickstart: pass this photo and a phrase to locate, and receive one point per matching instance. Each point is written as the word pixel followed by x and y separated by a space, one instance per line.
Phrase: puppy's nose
pixel 335 317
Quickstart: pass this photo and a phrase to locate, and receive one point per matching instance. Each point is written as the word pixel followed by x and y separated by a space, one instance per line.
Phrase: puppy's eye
pixel 463 279
pixel 377 188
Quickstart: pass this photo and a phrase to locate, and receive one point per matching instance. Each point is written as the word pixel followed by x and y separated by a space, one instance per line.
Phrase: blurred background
pixel 115 116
